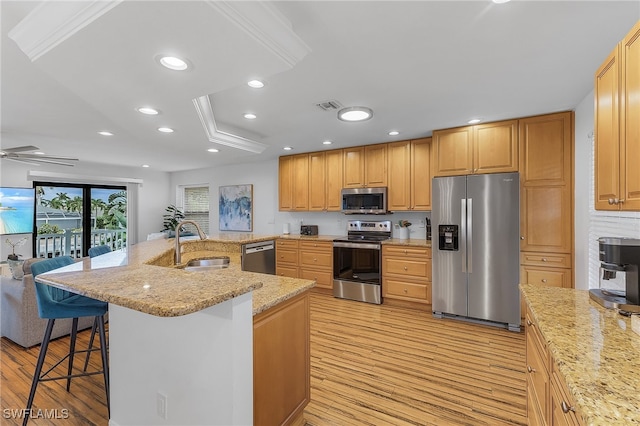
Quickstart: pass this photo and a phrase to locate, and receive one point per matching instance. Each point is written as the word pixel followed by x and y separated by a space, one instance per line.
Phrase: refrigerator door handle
pixel 463 233
pixel 470 235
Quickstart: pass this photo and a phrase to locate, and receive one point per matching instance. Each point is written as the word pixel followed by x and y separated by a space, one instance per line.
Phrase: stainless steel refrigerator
pixel 476 248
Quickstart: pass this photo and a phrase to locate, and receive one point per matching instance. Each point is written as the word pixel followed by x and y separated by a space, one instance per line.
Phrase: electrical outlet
pixel 162 405
pixel 421 225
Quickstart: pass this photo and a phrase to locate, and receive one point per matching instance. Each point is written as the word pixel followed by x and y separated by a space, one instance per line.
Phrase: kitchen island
pixel 593 354
pixel 183 345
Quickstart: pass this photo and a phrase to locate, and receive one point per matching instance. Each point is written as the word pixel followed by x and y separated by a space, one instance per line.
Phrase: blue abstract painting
pixel 235 208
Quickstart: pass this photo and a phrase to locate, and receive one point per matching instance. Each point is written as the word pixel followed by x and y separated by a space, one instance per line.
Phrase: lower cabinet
pixel 281 363
pixel 307 259
pixel 548 399
pixel 406 273
pixel 545 269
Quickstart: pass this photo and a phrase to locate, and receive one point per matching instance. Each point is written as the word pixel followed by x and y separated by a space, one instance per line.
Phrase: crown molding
pixel 205 112
pixel 52 22
pixel 266 25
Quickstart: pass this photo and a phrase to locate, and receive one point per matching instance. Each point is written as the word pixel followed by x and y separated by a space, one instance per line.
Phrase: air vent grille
pixel 329 105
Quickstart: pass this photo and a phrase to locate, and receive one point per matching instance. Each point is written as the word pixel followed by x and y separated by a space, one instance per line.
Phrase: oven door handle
pixel 356 245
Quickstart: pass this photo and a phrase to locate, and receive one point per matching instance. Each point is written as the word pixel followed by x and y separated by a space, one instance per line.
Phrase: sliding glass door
pixel 70 219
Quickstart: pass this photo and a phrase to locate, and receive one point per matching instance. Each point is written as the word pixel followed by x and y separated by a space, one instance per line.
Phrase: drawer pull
pixel 405 252
pixel 315 260
pixel 544 280
pixel 544 259
pixel 566 407
pixel 406 269
pixel 530 369
pixel 405 290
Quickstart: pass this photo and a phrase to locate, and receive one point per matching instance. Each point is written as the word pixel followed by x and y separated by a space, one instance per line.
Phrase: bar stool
pixel 93 252
pixel 54 303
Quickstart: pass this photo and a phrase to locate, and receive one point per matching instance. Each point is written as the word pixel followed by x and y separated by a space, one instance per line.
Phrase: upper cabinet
pixel 484 148
pixel 293 183
pixel 365 166
pixel 325 180
pixel 617 133
pixel 409 175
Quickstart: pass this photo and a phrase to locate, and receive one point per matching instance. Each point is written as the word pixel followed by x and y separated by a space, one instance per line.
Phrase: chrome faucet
pixel 202 235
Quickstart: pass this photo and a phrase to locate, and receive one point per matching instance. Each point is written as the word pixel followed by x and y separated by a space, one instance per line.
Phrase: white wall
pixel 153 195
pixel 589 223
pixel 267 218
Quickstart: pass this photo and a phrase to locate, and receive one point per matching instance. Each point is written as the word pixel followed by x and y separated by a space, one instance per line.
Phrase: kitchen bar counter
pixel 594 349
pixel 145 280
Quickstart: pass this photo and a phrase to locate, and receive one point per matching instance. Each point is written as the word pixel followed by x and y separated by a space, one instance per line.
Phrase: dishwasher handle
pixel 257 249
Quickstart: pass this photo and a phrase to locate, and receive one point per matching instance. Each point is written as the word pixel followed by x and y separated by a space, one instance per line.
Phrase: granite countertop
pixel 145 279
pixel 418 242
pixel 595 350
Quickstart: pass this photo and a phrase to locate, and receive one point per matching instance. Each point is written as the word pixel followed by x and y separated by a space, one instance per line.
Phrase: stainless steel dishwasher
pixel 259 257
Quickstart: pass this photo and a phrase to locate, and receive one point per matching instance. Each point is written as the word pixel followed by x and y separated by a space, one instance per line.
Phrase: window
pixel 195 204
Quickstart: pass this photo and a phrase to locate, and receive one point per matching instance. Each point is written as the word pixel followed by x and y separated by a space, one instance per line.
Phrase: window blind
pixel 196 206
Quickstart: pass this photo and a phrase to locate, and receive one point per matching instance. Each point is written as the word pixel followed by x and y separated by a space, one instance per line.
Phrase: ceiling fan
pixel 21 154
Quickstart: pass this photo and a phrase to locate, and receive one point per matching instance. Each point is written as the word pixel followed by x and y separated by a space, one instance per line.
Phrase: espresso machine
pixel 619 258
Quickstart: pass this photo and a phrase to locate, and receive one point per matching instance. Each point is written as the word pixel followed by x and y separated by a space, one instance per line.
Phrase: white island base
pixel 201 363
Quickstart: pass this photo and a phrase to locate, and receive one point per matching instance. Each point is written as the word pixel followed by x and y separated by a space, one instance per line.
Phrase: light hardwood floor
pixel 370 365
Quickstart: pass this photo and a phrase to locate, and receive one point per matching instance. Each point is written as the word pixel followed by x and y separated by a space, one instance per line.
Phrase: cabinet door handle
pixel 566 407
pixel 529 323
pixel 621 201
pixel 611 201
pixel 531 369
pixel 544 280
pixel 522 237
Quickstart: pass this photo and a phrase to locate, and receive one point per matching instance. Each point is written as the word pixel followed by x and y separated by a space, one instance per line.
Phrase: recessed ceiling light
pixel 256 84
pixel 165 129
pixel 105 133
pixel 39 153
pixel 173 63
pixel 148 111
pixel 287 148
pixel 213 150
pixel 250 116
pixel 355 114
pixel 474 121
pixel 394 133
pixel 327 143
pixel 145 166
pixel 501 1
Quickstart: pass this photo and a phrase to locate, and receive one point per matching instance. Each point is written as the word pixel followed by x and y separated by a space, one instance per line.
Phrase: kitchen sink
pixel 218 262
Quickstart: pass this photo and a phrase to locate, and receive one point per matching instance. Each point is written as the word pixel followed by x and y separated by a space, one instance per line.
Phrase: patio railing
pixel 70 243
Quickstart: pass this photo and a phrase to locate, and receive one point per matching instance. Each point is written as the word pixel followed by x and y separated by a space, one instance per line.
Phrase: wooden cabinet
pixel 483 148
pixel 316 262
pixel 409 175
pixel 281 362
pixel 548 398
pixel 293 183
pixel 287 258
pixel 325 180
pixel 406 273
pixel 310 260
pixel 617 134
pixel 365 166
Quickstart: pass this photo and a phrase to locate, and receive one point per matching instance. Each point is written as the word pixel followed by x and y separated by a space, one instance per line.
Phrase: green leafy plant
pixel 47 228
pixel 171 218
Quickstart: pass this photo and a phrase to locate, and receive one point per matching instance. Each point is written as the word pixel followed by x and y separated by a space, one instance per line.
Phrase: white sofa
pixel 19 320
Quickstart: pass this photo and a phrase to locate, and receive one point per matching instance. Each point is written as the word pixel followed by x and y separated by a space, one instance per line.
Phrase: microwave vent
pixel 329 105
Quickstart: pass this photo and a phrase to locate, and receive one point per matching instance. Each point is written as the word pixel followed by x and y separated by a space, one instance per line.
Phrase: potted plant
pixel 403 229
pixel 14 244
pixel 15 264
pixel 171 218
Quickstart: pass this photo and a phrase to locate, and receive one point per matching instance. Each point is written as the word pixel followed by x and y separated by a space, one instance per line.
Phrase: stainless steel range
pixel 357 259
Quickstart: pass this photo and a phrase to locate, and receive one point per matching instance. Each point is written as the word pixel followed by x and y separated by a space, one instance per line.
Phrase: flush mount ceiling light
pixel 250 116
pixel 165 129
pixel 105 133
pixel 394 133
pixel 172 62
pixel 355 114
pixel 147 111
pixel 256 84
pixel 213 150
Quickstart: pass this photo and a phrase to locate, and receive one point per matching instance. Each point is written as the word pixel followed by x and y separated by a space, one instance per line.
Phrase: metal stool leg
pixel 36 375
pixel 105 359
pixel 94 328
pixel 72 350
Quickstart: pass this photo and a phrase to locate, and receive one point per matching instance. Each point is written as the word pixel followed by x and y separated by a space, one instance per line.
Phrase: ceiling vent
pixel 329 105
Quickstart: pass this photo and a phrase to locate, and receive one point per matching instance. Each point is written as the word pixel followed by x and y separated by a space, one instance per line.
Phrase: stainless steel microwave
pixel 364 200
